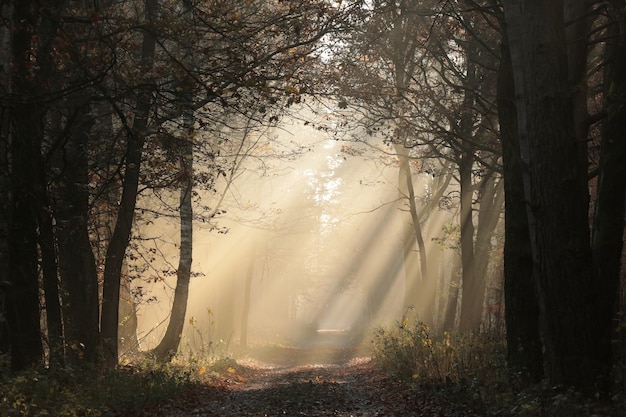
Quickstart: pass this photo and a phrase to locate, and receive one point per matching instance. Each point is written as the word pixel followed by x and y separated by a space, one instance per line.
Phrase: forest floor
pixel 279 381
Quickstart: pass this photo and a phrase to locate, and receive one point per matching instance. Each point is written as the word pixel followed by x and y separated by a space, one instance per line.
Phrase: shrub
pixel 89 391
pixel 413 354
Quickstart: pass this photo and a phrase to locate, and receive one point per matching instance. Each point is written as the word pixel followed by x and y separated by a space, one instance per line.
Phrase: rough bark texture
pixel 558 217
pixel 607 238
pixel 524 346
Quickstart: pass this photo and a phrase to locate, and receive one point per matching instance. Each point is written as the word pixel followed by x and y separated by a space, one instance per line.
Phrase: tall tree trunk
pixel 26 134
pixel 578 20
pixel 49 270
pixel 6 9
pixel 608 228
pixel 490 206
pixel 558 209
pixel 126 212
pixel 524 345
pixel 467 241
pixel 77 265
pixel 128 341
pixel 168 346
pixel 415 287
pixel 466 164
pixel 245 313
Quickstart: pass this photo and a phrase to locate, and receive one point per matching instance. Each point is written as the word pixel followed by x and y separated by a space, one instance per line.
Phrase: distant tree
pixel 427 72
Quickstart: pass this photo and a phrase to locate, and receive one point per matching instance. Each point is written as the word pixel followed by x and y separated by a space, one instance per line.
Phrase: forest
pixel 188 181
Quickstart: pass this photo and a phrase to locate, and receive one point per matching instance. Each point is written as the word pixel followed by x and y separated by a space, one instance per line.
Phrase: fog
pixel 312 235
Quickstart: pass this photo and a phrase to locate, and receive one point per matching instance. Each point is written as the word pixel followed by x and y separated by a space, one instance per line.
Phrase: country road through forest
pixel 299 382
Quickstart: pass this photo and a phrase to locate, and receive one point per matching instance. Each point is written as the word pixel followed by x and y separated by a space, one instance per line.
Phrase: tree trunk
pixel 524 346
pixel 578 22
pixel 607 237
pixel 415 293
pixel 168 346
pixel 468 283
pixel 77 265
pixel 453 297
pixel 558 209
pixel 26 134
pixel 245 313
pixel 126 212
pixel 128 342
pixel 49 270
pixel 490 206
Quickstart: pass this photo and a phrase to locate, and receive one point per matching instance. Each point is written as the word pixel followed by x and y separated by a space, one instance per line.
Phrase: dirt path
pixel 291 382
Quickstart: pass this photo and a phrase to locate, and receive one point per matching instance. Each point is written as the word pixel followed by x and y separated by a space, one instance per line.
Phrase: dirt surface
pixel 293 382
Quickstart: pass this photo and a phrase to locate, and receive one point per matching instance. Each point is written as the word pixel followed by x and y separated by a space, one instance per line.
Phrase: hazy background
pixel 313 223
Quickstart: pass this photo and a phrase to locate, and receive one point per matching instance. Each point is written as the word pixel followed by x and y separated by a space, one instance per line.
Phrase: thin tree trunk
pixel 467 240
pixel 128 341
pixel 415 289
pixel 453 298
pixel 245 313
pixel 49 268
pixel 466 165
pixel 490 206
pixel 168 346
pixel 126 212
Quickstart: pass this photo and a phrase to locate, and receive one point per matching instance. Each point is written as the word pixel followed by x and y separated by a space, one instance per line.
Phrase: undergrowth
pixel 470 373
pixel 88 391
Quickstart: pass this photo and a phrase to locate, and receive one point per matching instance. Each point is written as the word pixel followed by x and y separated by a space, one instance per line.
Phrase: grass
pixel 470 373
pixel 91 392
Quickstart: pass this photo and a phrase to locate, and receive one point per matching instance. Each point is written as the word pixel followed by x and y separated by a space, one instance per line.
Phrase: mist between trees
pixel 192 177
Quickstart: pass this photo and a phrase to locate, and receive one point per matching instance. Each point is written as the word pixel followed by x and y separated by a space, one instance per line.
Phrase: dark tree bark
pixel 524 346
pixel 26 134
pixel 49 270
pixel 76 260
pixel 168 346
pixel 557 195
pixel 126 212
pixel 608 227
pixel 468 282
pixel 5 177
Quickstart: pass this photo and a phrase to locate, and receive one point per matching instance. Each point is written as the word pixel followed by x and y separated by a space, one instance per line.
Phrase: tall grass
pixel 470 372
